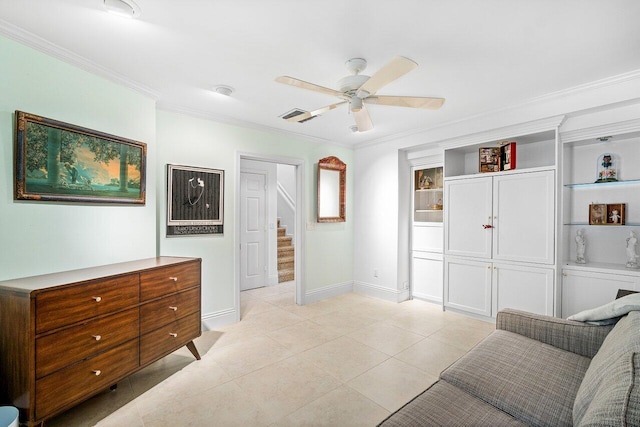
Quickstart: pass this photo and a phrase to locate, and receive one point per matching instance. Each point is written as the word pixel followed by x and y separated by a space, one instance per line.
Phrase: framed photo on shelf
pixel 615 214
pixel 489 159
pixel 598 214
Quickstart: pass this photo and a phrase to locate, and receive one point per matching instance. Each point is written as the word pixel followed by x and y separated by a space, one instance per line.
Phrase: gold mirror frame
pixel 331 190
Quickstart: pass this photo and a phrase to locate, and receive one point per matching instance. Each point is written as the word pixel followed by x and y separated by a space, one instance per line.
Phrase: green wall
pixel 186 140
pixel 39 237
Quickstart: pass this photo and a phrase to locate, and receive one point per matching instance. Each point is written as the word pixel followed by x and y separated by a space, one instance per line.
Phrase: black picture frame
pixel 195 200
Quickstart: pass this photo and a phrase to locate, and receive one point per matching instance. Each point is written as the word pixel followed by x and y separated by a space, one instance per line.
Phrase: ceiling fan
pixel 359 89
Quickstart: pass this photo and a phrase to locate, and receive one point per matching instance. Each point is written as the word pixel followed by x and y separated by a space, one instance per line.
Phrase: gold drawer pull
pixel 97 337
pixel 173 308
pixel 97 372
pixel 173 334
pixel 175 279
pixel 97 299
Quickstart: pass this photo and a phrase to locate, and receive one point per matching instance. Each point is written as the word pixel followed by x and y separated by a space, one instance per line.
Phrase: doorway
pixel 256 224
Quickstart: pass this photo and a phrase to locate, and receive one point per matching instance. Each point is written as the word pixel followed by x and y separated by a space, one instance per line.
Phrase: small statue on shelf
pixel 632 256
pixel 580 247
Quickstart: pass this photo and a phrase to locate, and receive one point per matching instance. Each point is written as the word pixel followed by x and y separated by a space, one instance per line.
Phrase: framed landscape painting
pixel 56 161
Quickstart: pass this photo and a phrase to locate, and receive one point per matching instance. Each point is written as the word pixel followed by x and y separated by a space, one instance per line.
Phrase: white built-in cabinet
pixel 426 235
pixel 597 282
pixel 500 230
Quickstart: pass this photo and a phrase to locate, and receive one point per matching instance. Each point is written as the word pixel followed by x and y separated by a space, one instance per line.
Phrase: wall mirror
pixel 332 177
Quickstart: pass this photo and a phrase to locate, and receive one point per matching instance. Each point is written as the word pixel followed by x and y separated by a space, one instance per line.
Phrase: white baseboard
pixel 214 320
pixel 328 292
pixel 381 292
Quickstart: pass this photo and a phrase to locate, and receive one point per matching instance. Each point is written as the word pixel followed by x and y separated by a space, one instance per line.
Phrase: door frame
pixel 299 254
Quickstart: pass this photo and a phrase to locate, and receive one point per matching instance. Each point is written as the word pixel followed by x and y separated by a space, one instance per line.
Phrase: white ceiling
pixel 479 55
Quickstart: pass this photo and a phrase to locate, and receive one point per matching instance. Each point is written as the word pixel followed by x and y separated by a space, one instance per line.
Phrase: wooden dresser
pixel 67 336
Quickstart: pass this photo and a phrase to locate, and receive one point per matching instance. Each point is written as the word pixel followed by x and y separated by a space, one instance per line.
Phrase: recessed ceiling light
pixel 126 8
pixel 223 90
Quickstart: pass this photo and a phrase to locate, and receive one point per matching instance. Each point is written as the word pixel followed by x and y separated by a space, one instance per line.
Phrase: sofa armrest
pixel 577 337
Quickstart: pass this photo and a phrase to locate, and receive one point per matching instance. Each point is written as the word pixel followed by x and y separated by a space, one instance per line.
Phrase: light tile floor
pixel 346 361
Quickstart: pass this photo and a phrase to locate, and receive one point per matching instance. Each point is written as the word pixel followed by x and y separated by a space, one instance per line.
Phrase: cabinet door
pixel 524 212
pixel 468 217
pixel 523 288
pixel 582 290
pixel 426 277
pixel 467 285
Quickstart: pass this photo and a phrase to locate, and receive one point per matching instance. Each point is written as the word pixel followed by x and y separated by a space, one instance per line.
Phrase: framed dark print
pixel 598 214
pixel 57 161
pixel 195 200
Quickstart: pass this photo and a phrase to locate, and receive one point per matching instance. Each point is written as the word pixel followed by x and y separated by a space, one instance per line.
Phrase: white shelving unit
pixel 500 227
pixel 597 282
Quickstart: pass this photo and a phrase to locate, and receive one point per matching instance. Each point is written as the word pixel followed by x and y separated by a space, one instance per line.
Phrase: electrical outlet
pixel 405 285
pixel 375 273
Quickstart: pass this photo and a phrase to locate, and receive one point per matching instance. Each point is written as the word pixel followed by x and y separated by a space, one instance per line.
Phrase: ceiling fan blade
pixel 394 69
pixel 305 85
pixel 363 120
pixel 407 101
pixel 308 115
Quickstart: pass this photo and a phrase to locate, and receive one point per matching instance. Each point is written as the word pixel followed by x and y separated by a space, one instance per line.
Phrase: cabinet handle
pixel 175 279
pixel 97 337
pixel 173 334
pixel 97 372
pixel 485 226
pixel 97 299
pixel 173 308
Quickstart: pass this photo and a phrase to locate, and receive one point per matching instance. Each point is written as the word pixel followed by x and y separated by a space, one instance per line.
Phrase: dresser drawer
pixel 163 281
pixel 168 309
pixel 59 307
pixel 168 338
pixel 75 382
pixel 70 345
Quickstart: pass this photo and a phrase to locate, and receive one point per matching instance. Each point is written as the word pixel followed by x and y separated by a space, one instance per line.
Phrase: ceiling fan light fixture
pixel 223 90
pixel 124 8
pixel 356 104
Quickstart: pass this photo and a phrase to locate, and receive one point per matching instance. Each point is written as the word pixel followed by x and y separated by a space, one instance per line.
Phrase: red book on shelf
pixel 508 156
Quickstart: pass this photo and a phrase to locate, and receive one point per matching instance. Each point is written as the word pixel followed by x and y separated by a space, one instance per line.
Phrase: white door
pixel 523 288
pixel 468 217
pixel 468 285
pixel 252 231
pixel 524 217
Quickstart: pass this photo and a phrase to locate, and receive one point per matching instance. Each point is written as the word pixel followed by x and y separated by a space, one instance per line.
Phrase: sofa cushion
pixel 610 391
pixel 442 404
pixel 532 381
pixel 610 312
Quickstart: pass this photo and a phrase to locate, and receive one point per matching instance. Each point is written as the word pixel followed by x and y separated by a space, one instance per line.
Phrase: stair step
pixel 284 241
pixel 285 251
pixel 282 231
pixel 286 275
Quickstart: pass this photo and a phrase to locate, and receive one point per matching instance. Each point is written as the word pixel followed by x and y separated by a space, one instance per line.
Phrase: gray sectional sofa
pixel 537 371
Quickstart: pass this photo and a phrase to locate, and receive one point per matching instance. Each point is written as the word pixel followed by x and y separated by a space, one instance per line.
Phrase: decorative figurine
pixel 607 170
pixel 632 256
pixel 580 247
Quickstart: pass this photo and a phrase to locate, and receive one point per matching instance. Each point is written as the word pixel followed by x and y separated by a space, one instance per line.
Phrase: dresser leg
pixel 113 387
pixel 192 348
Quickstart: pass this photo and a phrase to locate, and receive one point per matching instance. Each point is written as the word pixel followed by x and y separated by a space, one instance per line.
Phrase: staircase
pixel 285 256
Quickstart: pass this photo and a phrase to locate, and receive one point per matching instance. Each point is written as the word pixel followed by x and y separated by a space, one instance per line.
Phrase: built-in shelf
pixel 602 184
pixel 428 190
pixel 602 267
pixel 586 224
pixel 428 210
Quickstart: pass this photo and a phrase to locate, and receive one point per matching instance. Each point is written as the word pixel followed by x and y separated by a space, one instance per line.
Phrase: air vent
pixel 296 112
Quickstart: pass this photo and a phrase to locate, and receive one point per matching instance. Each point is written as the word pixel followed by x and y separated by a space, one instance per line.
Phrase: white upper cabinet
pixel 504 217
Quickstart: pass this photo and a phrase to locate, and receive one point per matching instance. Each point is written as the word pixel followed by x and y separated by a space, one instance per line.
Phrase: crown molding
pixel 42 45
pixel 173 108
pixel 552 96
pixel 619 128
